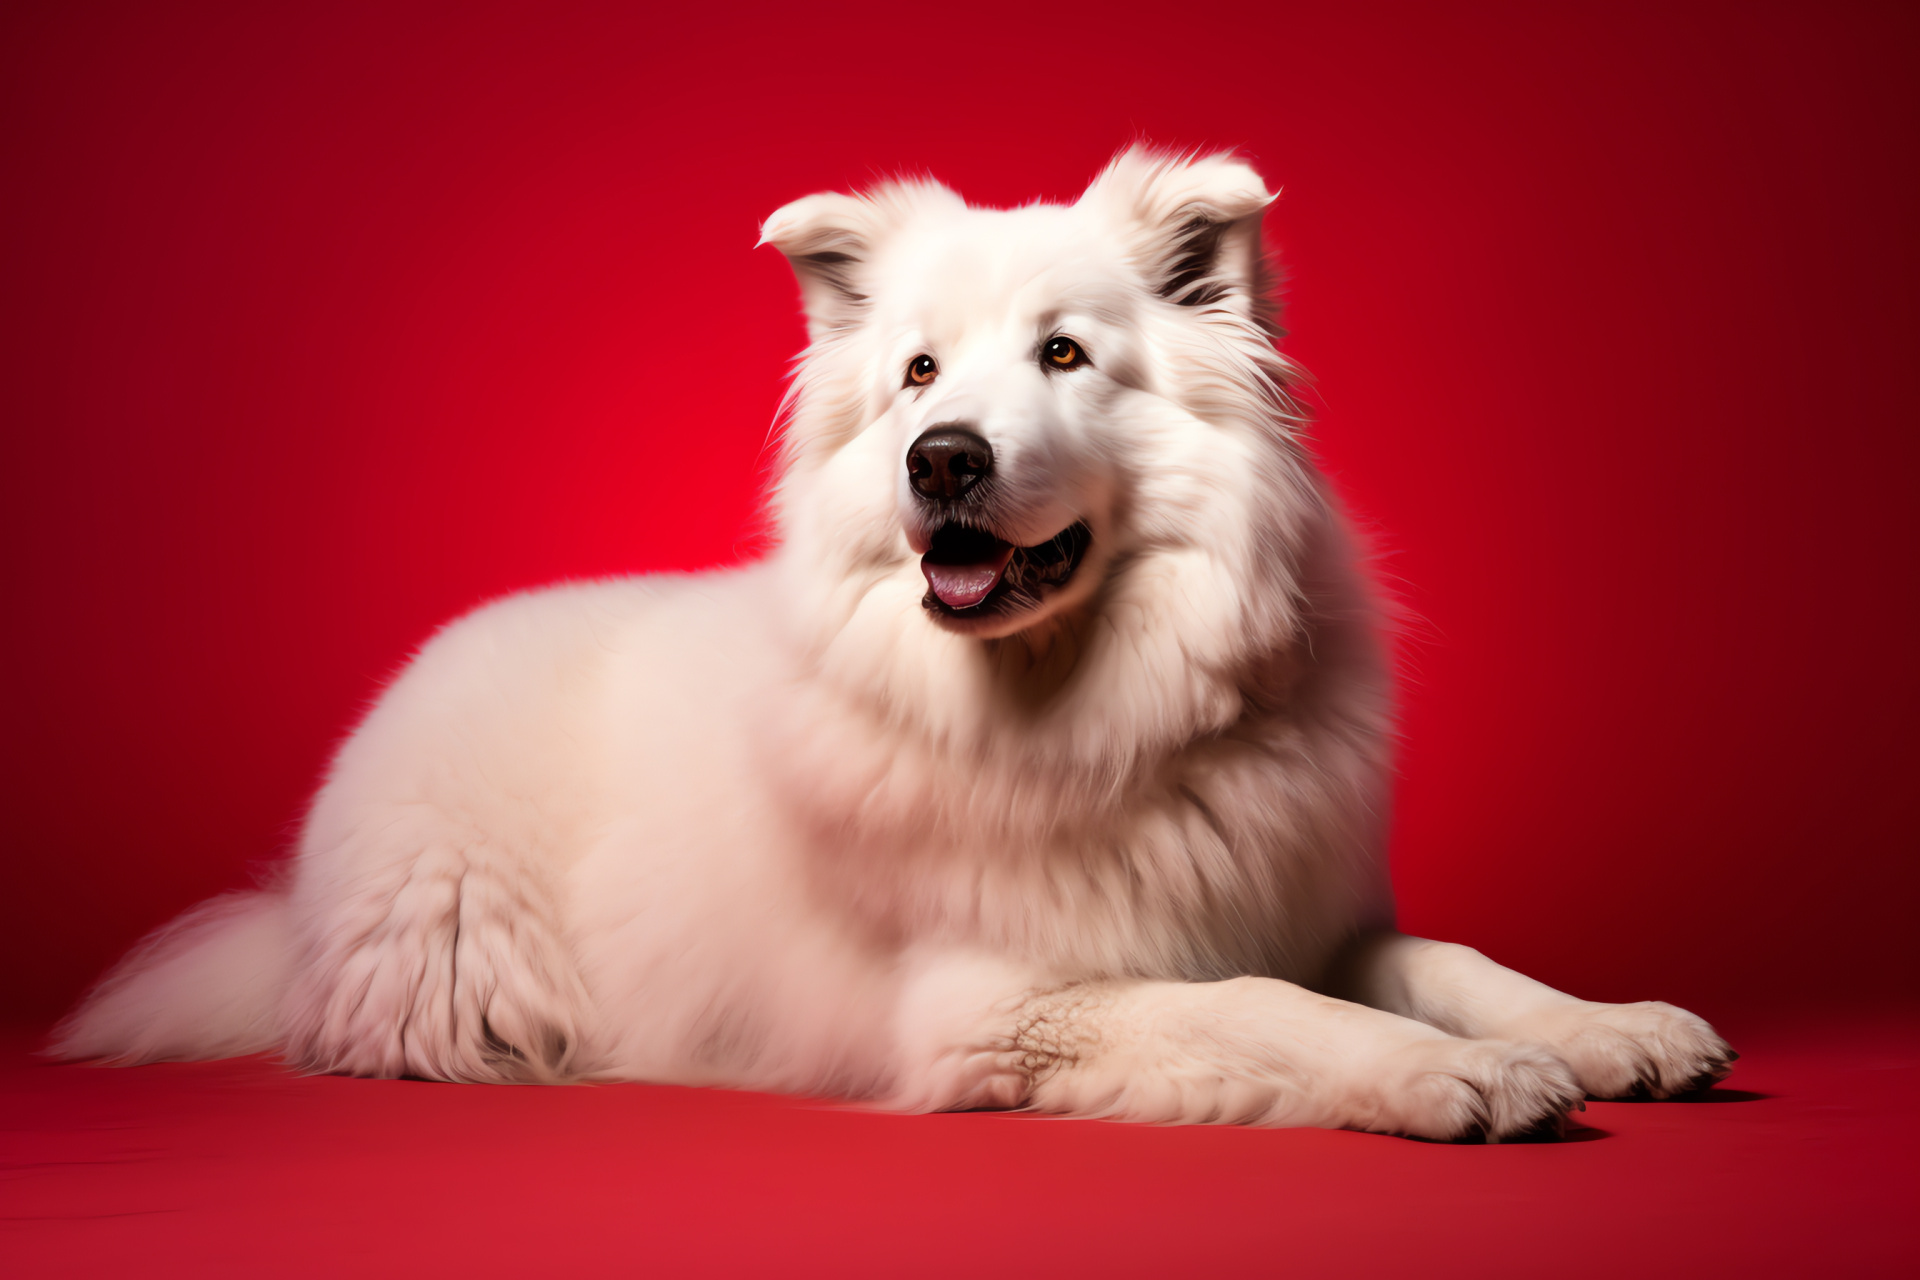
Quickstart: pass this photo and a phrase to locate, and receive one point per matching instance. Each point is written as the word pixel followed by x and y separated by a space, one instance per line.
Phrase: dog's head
pixel 1014 427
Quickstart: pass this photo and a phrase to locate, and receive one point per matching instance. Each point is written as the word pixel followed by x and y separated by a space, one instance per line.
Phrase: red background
pixel 320 324
pixel 320 327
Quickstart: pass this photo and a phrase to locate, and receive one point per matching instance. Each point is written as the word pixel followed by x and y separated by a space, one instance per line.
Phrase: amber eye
pixel 920 371
pixel 1062 353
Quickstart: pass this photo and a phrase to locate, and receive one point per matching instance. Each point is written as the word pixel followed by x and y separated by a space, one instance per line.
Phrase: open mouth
pixel 971 573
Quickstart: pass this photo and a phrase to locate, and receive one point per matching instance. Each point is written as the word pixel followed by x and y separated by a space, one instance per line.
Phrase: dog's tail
pixel 207 985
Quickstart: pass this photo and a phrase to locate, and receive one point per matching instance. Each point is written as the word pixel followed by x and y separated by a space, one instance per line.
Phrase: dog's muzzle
pixel 948 462
pixel 971 571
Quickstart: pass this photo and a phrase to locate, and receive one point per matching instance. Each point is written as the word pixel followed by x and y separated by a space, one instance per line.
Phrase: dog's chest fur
pixel 1200 860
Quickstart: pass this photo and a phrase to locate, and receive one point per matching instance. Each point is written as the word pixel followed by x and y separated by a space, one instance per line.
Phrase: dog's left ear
pixel 1194 223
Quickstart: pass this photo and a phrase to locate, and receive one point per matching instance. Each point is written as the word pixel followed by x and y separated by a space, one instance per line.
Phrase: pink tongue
pixel 961 586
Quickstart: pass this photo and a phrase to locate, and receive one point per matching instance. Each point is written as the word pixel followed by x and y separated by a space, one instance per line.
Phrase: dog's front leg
pixel 975 1033
pixel 1616 1050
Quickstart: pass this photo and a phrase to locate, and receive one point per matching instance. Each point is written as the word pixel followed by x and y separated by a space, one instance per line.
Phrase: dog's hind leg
pixel 1616 1050
pixel 1245 1051
pixel 430 951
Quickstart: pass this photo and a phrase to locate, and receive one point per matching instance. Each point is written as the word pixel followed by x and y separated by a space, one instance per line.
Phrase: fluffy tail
pixel 207 985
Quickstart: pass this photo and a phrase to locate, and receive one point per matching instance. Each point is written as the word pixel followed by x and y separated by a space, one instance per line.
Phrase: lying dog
pixel 1043 765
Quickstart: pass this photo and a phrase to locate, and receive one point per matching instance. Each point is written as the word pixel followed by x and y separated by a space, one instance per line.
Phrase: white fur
pixel 781 828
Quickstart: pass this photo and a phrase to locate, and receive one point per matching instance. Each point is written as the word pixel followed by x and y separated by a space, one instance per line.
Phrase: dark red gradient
pixel 240 1169
pixel 323 323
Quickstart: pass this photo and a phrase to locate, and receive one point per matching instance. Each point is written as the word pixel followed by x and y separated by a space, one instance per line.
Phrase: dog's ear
pixel 828 239
pixel 1194 225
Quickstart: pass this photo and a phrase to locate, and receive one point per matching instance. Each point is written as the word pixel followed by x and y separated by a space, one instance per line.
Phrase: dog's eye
pixel 920 371
pixel 1062 353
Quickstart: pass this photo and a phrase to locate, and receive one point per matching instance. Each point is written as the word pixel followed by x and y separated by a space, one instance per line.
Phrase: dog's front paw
pixel 1644 1050
pixel 1451 1089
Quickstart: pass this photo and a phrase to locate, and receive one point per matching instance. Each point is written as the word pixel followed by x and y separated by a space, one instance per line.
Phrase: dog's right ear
pixel 829 240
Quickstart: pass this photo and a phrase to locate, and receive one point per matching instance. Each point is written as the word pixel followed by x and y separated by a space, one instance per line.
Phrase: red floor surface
pixel 1803 1165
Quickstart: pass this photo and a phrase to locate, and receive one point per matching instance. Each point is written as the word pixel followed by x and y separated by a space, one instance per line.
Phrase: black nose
pixel 947 461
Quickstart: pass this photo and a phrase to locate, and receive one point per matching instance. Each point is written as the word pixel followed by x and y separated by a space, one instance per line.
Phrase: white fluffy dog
pixel 1043 765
